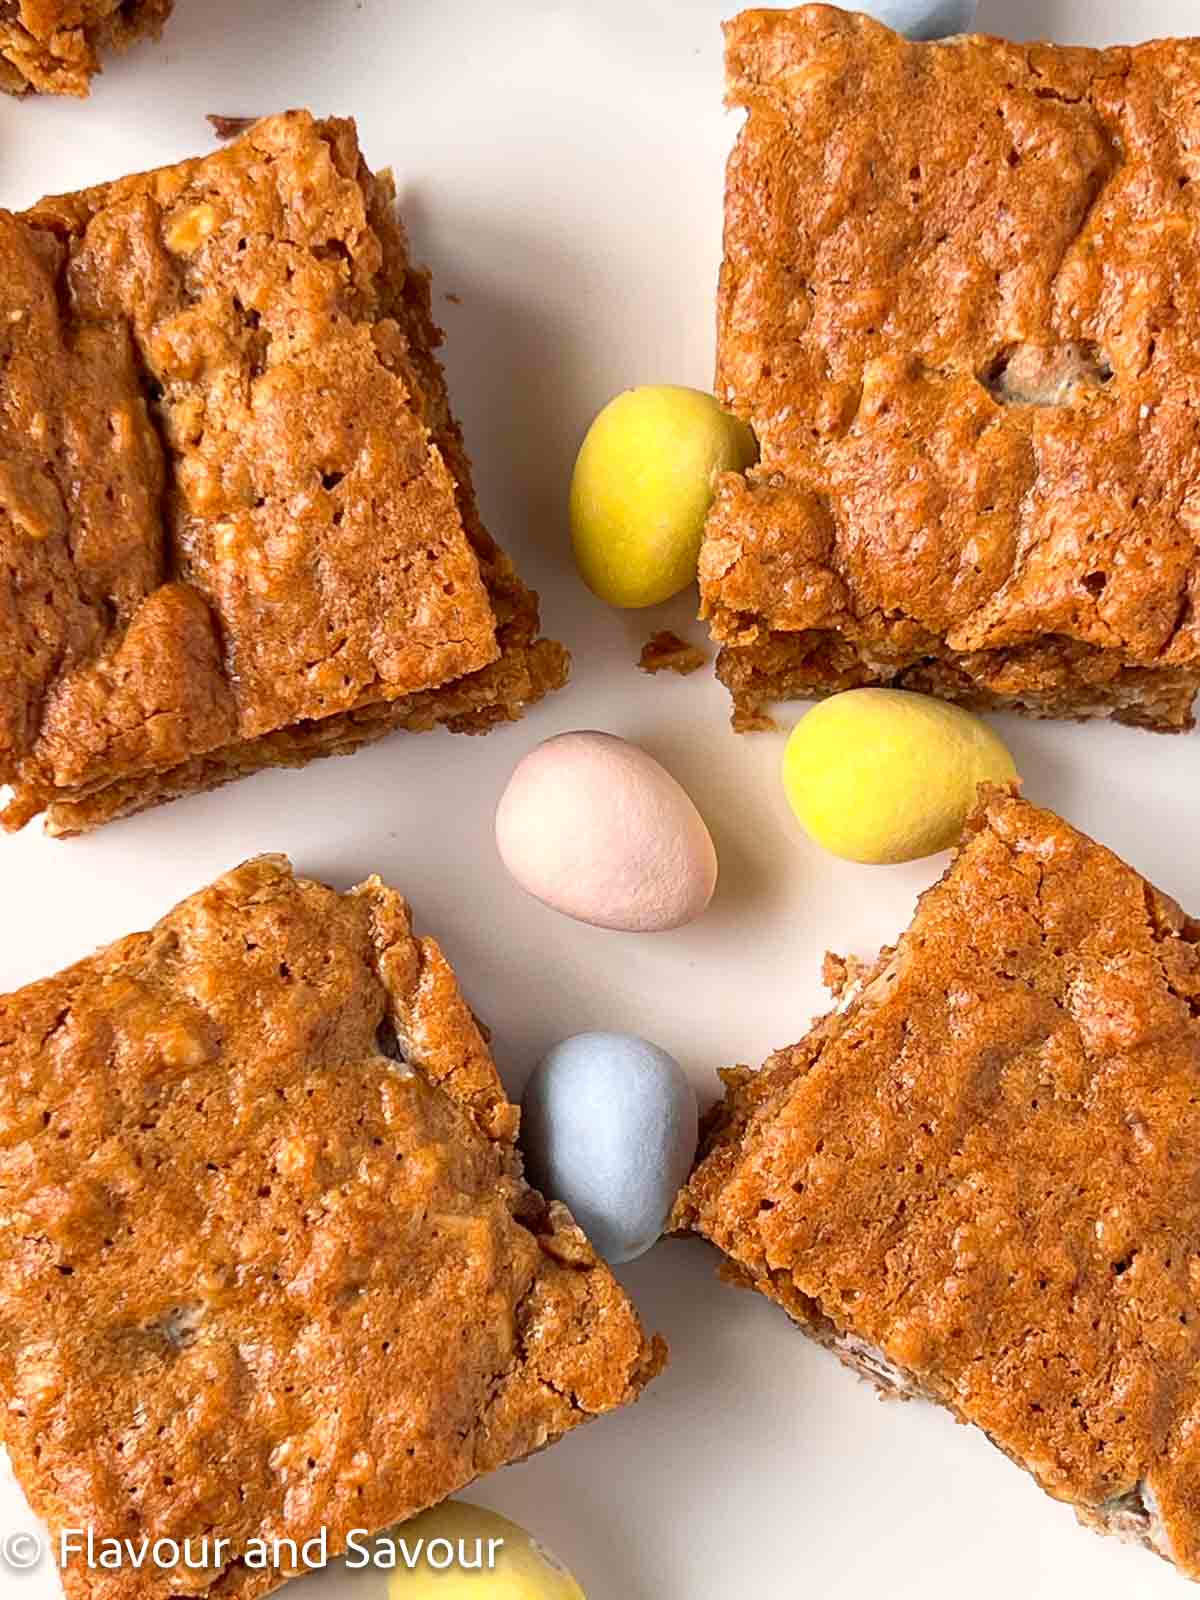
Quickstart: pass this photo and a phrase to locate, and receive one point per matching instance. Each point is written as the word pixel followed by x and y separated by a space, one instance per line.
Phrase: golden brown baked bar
pixel 54 46
pixel 267 1260
pixel 237 525
pixel 978 1179
pixel 959 307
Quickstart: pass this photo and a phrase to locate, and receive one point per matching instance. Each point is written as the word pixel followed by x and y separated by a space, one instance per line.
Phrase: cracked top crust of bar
pixel 267 1262
pixel 220 509
pixel 959 307
pixel 55 46
pixel 987 1166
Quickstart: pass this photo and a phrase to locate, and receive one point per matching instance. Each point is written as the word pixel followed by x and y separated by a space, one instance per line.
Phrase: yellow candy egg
pixel 642 487
pixel 881 775
pixel 491 1557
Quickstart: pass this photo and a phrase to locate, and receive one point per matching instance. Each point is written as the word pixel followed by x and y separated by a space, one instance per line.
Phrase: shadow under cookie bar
pixel 268 1264
pixel 976 1180
pixel 957 306
pixel 237 524
pixel 56 46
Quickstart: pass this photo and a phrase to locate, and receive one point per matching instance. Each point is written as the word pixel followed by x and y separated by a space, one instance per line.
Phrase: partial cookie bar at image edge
pixel 237 520
pixel 57 47
pixel 958 308
pixel 976 1179
pixel 268 1264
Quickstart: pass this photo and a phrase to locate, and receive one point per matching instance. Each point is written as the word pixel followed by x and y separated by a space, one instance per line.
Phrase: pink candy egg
pixel 597 829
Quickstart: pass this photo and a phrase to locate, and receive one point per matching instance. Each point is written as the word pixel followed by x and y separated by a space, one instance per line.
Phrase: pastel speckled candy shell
pixel 609 1124
pixel 595 828
pixel 925 19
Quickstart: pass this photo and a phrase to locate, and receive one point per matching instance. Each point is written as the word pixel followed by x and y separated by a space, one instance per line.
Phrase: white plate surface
pixel 560 163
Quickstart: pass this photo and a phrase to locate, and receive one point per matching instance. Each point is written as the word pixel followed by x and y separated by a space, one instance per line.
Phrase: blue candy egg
pixel 609 1125
pixel 924 19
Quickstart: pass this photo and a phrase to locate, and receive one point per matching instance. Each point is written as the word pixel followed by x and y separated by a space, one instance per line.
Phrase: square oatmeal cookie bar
pixel 978 1180
pixel 960 309
pixel 54 46
pixel 237 526
pixel 267 1261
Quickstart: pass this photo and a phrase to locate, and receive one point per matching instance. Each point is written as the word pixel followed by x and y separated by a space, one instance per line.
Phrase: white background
pixel 561 170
